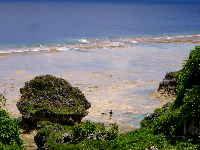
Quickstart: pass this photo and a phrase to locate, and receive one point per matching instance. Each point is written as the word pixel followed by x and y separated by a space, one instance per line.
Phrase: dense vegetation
pixel 55 136
pixel 9 130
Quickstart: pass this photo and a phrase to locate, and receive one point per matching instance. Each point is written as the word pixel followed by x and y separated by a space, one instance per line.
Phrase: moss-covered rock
pixel 53 99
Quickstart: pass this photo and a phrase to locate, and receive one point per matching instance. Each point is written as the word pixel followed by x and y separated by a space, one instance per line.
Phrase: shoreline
pixel 107 43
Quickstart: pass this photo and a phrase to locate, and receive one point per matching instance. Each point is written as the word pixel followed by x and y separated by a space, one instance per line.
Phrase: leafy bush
pixel 3 113
pixel 140 139
pixel 10 147
pixel 55 136
pixel 90 130
pixel 9 131
pixel 189 75
pixel 147 122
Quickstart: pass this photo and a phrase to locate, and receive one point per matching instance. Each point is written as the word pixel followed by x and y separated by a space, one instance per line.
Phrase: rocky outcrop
pixel 168 86
pixel 52 99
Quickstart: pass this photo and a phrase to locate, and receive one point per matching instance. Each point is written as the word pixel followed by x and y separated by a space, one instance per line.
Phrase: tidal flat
pixel 117 79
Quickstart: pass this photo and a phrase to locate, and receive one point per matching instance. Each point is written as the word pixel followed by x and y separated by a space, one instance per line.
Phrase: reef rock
pixel 52 99
pixel 168 85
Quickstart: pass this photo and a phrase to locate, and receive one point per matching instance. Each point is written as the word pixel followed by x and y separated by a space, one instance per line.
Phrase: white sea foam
pixel 62 49
pixel 157 38
pixel 134 42
pixel 104 44
pixel 168 38
pixel 116 44
pixel 44 49
pixel 83 41
pixel 23 50
pixel 35 50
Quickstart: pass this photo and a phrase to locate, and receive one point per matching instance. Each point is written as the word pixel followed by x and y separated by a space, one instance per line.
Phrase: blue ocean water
pixel 27 23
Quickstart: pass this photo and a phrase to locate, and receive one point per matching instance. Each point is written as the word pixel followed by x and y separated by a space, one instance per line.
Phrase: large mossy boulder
pixel 53 99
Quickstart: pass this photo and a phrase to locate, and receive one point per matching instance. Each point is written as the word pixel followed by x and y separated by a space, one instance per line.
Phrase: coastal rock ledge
pixel 48 98
pixel 167 87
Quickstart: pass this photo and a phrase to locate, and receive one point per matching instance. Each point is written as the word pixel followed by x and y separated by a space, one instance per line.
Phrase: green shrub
pixel 10 147
pixel 147 122
pixel 3 113
pixel 9 132
pixel 55 136
pixel 94 131
pixel 189 75
pixel 191 103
